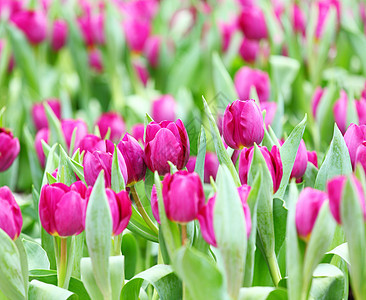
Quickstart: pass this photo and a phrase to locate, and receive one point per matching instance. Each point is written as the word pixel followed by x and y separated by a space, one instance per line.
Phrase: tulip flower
pixel 183 197
pixel 152 50
pixel 206 215
pixel 354 137
pixel 361 155
pixel 32 23
pixel 249 50
pixel 138 132
pixel 298 20
pixel 211 166
pixel 134 158
pixel 273 161
pixel 246 77
pixel 323 12
pixel 62 208
pixel 92 29
pixel 253 23
pixel 95 60
pixel 69 126
pixel 313 158
pixel 141 71
pixel 335 192
pixel 39 115
pixel 59 34
pixel 243 124
pixel 114 122
pixel 340 112
pixel 121 211
pixel 43 134
pixel 227 30
pixel 91 143
pixel 136 33
pixel 96 161
pixel 270 108
pixel 301 161
pixel 361 111
pixel 166 141
pixel 11 220
pixel 164 109
pixel 9 149
pixel 307 209
pixel 318 94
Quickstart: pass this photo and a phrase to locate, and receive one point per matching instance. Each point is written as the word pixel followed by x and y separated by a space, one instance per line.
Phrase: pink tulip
pixel 95 60
pixel 39 115
pixel 323 13
pixel 91 143
pixel 318 94
pixel 69 126
pixel 59 34
pixel 354 137
pixel 11 219
pixel 301 161
pixel 33 24
pixel 313 158
pixel 138 132
pixel 141 71
pixel 43 134
pixel 361 111
pixel 164 109
pixel 227 30
pixel 298 19
pixel 340 112
pixel 211 166
pixel 136 33
pixel 9 149
pixel 112 121
pixel 270 108
pixel 249 50
pixel 253 23
pixel 152 50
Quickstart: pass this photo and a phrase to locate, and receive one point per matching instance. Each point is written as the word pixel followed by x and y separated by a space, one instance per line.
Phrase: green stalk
pixel 274 269
pixel 62 264
pixel 117 242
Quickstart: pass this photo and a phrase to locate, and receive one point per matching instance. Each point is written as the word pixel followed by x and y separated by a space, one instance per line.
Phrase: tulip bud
pixel 211 166
pixel 96 161
pixel 340 112
pixel 92 29
pixel 32 23
pixel 39 114
pixel 272 159
pixel 136 33
pixel 134 158
pixel 166 141
pixel 95 60
pixel 253 23
pixel 270 108
pixel 164 109
pixel 11 220
pixel 301 161
pixel 249 50
pixel 323 11
pixel 138 132
pixel 91 143
pixel 81 130
pixel 354 137
pixel 43 134
pixel 313 158
pixel 318 94
pixel 59 34
pixel 206 215
pixel 183 197
pixel 246 77
pixel 361 111
pixel 9 149
pixel 121 211
pixel 142 72
pixel 298 19
pixel 113 121
pixel 227 30
pixel 243 124
pixel 335 192
pixel 307 209
pixel 62 209
pixel 361 155
pixel 152 50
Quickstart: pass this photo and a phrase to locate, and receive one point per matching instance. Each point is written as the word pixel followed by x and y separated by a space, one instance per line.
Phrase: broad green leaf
pixel 23 262
pixel 11 279
pixel 288 153
pixel 39 290
pixel 37 256
pixel 341 251
pixel 98 229
pixel 230 230
pixel 161 277
pixel 192 267
pixel 65 173
pixel 336 161
pixel 201 153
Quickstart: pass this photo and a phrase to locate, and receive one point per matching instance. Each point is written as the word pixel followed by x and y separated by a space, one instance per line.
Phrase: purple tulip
pixel 11 220
pixel 335 191
pixel 152 50
pixel 243 124
pixel 69 126
pixel 206 215
pixel 134 158
pixel 166 141
pixel 246 77
pixel 183 197
pixel 164 109
pixel 249 50
pixel 112 121
pixel 361 111
pixel 39 115
pixel 59 34
pixel 33 24
pixel 354 137
pixel 340 112
pixel 273 161
pixel 95 60
pixel 9 149
pixel 307 209
pixel 91 143
pixel 138 132
pixel 62 208
pixel 136 33
pixel 301 161
pixel 253 23
pixel 318 94
pixel 121 211
pixel 96 161
pixel 211 166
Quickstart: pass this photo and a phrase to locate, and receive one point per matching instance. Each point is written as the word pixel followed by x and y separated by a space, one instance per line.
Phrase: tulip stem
pixel 142 211
pixel 117 242
pixel 62 263
pixel 274 269
pixel 184 234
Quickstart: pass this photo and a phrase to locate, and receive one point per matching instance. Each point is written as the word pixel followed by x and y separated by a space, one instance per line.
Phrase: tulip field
pixel 183 149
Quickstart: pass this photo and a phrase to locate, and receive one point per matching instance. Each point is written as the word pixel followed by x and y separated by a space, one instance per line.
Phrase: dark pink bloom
pixel 164 109
pixel 114 122
pixel 253 23
pixel 32 23
pixel 206 216
pixel 91 143
pixel 95 60
pixel 323 13
pixel 301 161
pixel 270 108
pixel 354 137
pixel 340 112
pixel 249 50
pixel 43 134
pixel 138 132
pixel 243 124
pixel 227 30
pixel 136 33
pixel 211 166
pixel 152 50
pixel 9 149
pixel 11 219
pixel 142 72
pixel 69 126
pixel 361 155
pixel 59 34
pixel 361 111
pixel 39 115
pixel 313 158
pixel 318 94
pixel 298 19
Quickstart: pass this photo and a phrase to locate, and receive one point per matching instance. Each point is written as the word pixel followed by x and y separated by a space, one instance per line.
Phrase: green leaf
pixel 358 42
pixel 88 279
pixel 39 290
pixel 230 230
pixel 342 252
pixel 192 267
pixel 37 257
pixel 23 262
pixel 117 180
pixel 262 293
pixel 11 279
pixel 336 162
pixel 98 229
pixel 77 168
pixel 130 251
pixel 201 153
pixel 310 175
pixel 138 225
pixel 65 173
pixel 223 83
pixel 288 153
pixel 161 277
pixel 56 133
